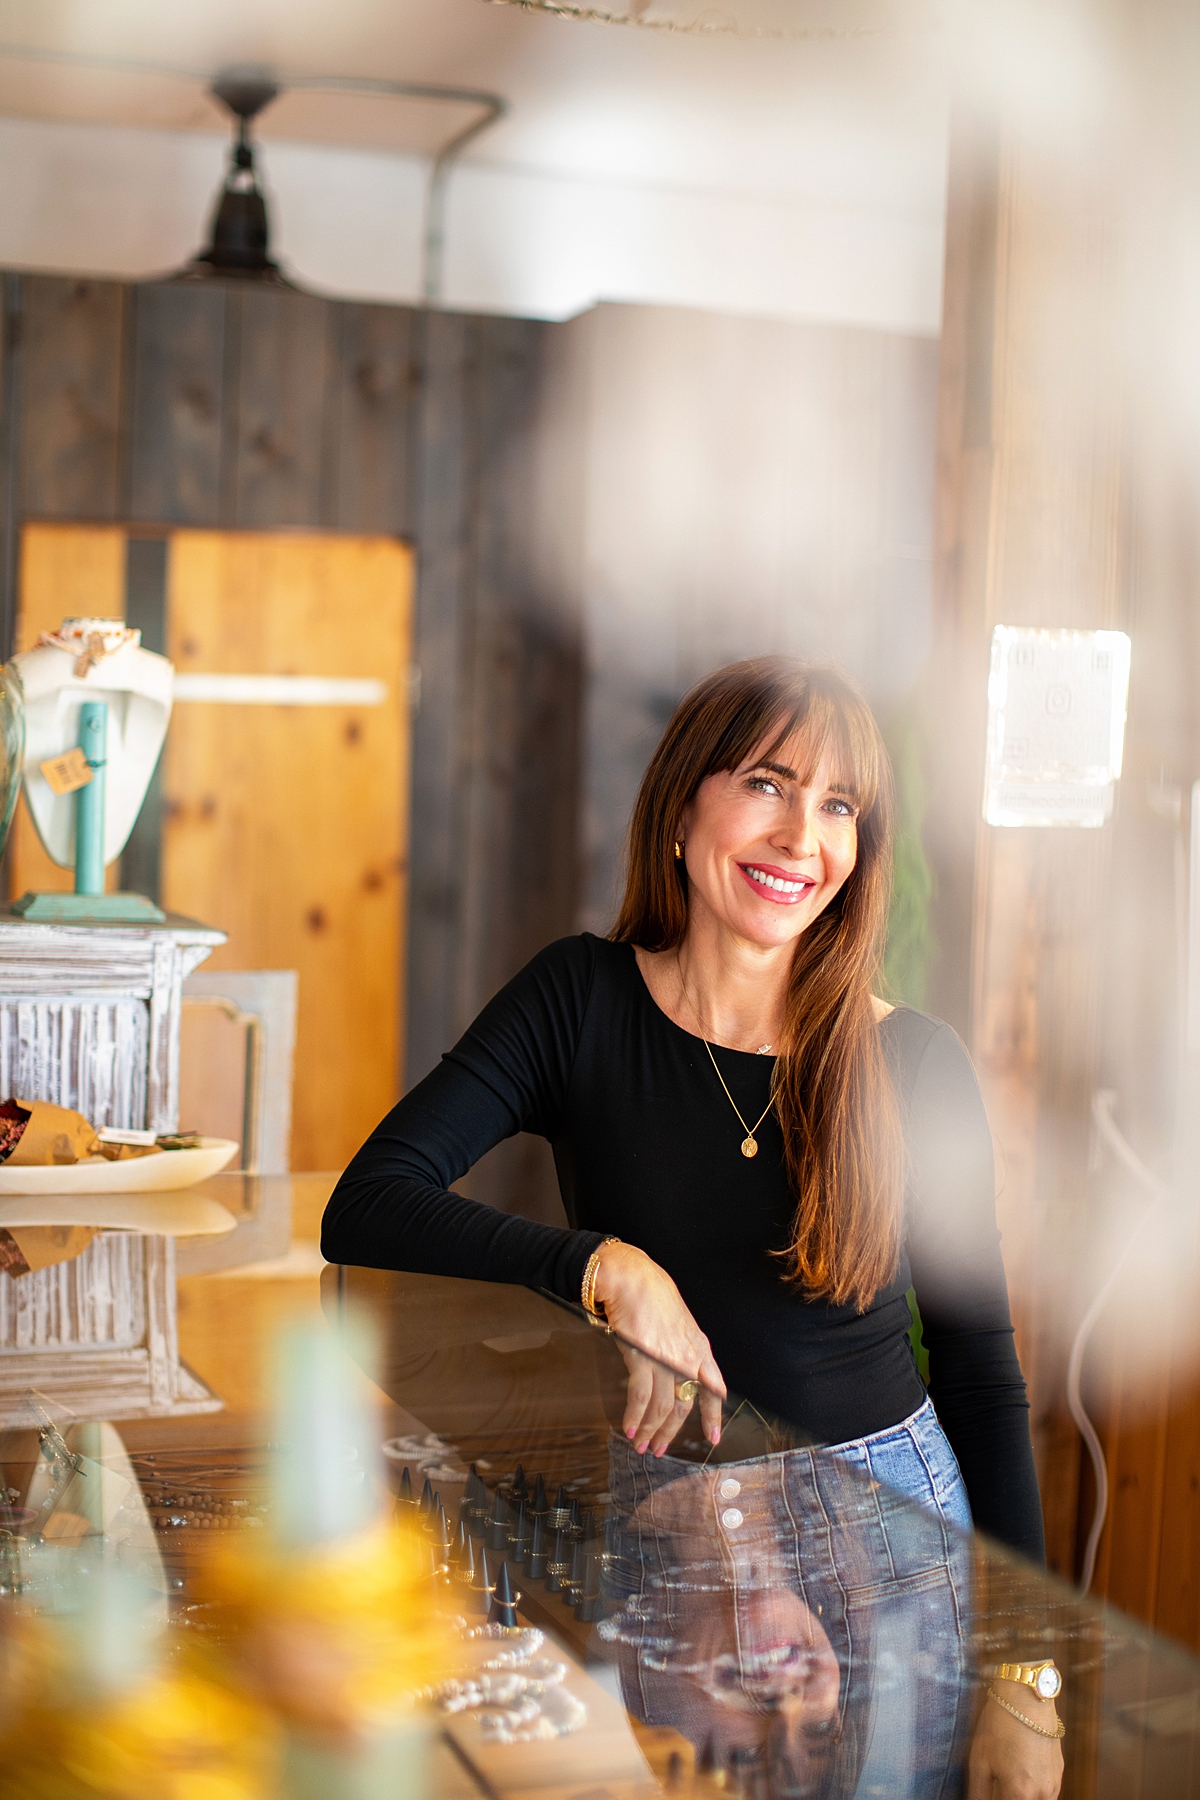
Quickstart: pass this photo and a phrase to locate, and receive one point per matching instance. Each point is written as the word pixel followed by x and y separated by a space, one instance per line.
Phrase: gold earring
pixel 678 851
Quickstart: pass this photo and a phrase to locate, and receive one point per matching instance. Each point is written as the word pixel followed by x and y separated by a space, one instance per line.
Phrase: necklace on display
pixel 749 1142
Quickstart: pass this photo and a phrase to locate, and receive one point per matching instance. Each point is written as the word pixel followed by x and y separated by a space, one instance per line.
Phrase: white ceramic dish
pixel 164 1173
pixel 181 1214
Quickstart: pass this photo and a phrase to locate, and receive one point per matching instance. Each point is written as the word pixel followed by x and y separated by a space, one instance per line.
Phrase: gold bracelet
pixel 589 1280
pixel 1059 1731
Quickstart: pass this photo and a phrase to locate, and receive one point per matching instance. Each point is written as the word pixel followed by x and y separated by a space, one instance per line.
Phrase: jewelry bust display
pixel 90 686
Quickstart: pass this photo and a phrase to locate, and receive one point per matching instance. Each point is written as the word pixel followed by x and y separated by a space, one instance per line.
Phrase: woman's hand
pixel 1008 1761
pixel 642 1303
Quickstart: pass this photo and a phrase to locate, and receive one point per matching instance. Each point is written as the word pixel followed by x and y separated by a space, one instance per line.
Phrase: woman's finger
pixel 639 1391
pixel 659 1408
pixel 710 1415
pixel 710 1375
pixel 666 1433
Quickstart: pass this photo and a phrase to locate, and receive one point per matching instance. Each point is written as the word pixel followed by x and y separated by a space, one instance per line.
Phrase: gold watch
pixel 1042 1677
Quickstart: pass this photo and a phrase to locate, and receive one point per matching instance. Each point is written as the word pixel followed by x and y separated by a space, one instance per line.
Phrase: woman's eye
pixel 843 809
pixel 763 784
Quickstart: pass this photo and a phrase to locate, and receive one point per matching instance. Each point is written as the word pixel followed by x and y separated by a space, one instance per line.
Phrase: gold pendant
pixel 749 1146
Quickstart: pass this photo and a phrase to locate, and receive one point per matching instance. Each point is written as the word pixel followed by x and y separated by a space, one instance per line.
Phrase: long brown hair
pixel 834 1097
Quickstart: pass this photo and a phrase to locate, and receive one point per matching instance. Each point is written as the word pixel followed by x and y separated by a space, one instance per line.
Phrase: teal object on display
pixel 89 800
pixel 12 747
pixel 89 904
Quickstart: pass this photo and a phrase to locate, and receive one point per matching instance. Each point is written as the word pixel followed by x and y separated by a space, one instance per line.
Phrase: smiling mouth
pixel 772 1672
pixel 784 890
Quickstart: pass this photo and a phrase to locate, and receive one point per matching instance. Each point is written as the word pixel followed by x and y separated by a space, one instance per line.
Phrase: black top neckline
pixel 695 1037
pixel 647 1153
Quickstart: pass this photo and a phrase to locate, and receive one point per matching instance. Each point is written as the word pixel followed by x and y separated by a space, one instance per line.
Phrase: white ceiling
pixel 854 119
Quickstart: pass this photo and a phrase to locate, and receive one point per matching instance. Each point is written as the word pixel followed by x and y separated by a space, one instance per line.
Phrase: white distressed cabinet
pixel 89 1018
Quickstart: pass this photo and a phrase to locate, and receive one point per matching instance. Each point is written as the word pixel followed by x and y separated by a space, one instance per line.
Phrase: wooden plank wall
pixel 1064 960
pixel 181 404
pixel 741 487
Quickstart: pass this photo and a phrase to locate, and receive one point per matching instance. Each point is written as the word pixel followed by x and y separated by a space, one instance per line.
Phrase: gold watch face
pixel 1048 1682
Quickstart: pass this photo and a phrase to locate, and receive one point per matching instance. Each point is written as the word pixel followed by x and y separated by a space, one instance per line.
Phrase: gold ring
pixel 687 1390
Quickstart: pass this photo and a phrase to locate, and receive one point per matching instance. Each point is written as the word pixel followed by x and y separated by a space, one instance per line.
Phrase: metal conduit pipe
pixel 494 107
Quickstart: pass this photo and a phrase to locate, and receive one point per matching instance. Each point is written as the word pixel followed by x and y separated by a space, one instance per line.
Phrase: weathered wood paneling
pixel 281 430
pixel 1029 522
pixel 497 735
pixel 442 500
pixel 522 678
pixel 374 387
pixel 72 372
pixel 178 395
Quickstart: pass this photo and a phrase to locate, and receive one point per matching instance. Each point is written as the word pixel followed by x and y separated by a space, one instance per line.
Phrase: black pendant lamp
pixel 240 246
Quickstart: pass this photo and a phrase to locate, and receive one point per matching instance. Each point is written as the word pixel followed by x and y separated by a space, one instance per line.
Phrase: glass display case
pixel 762 1617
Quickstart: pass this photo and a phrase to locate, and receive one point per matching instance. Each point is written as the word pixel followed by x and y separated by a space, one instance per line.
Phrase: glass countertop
pixel 762 1618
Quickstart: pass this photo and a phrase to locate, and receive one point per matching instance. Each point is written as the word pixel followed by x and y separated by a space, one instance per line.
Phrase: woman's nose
pixel 799 838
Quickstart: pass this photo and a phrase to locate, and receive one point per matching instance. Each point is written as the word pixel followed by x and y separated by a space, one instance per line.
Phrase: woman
pixel 757 1157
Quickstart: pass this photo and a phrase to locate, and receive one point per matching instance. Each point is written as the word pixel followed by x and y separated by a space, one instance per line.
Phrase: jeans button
pixel 729 1488
pixel 731 1518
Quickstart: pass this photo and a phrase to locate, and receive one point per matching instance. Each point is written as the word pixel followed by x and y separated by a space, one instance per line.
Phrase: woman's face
pixel 765 853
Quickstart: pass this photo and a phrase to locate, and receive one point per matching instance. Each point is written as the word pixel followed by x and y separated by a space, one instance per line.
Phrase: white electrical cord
pixel 1102 1114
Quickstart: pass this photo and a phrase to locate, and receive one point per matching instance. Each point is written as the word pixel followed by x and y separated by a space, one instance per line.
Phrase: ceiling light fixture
pixel 240 246
pixel 493 107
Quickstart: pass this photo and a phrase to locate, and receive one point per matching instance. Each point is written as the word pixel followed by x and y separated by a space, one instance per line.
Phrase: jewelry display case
pixel 758 1618
pixel 772 1632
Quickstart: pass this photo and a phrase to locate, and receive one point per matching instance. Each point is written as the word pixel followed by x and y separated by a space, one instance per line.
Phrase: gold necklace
pixel 749 1142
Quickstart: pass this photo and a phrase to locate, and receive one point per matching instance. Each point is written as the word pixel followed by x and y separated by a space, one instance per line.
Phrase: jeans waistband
pixel 765 1497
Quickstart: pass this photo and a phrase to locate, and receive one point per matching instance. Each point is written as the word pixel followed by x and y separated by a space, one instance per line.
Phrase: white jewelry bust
pixel 92 659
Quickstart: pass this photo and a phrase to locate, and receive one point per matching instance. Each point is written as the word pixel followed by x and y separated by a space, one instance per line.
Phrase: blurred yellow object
pixel 336 1637
pixel 175 1736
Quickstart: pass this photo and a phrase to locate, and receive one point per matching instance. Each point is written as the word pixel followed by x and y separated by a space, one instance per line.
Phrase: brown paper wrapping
pixel 54 1134
pixel 41 1245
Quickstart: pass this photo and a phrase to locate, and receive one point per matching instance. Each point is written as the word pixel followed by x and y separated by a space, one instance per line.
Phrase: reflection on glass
pixel 766 1618
pixel 773 1615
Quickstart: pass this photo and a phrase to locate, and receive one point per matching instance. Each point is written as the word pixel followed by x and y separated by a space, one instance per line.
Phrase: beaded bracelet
pixel 590 1273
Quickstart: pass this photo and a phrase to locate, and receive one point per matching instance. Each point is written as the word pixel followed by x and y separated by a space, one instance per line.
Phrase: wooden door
pixel 285 825
pixel 65 570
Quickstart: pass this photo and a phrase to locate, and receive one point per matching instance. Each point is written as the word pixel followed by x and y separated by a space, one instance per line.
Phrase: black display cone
pixel 481 1587
pixel 518 1537
pixel 558 1564
pixel 535 1561
pixel 498 1523
pixel 585 1606
pixel 504 1600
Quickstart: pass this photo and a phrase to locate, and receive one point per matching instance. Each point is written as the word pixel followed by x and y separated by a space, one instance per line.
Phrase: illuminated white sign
pixel 1056 725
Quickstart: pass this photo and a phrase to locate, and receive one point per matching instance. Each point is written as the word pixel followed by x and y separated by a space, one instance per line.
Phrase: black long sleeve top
pixel 647 1149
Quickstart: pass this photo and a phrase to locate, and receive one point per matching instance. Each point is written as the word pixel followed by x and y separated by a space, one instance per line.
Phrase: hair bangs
pixel 822 723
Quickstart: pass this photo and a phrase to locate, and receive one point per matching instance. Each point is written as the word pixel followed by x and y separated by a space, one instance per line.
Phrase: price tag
pixel 64 774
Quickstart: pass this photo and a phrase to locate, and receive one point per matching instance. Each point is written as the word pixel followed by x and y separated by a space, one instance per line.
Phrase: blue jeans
pixel 802 1616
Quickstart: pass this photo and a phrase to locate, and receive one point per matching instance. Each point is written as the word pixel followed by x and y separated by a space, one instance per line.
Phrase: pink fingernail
pixel 661 1452
pixel 642 1448
pixel 629 1433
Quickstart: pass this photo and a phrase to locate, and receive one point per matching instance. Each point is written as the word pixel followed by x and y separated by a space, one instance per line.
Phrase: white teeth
pixel 775 881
